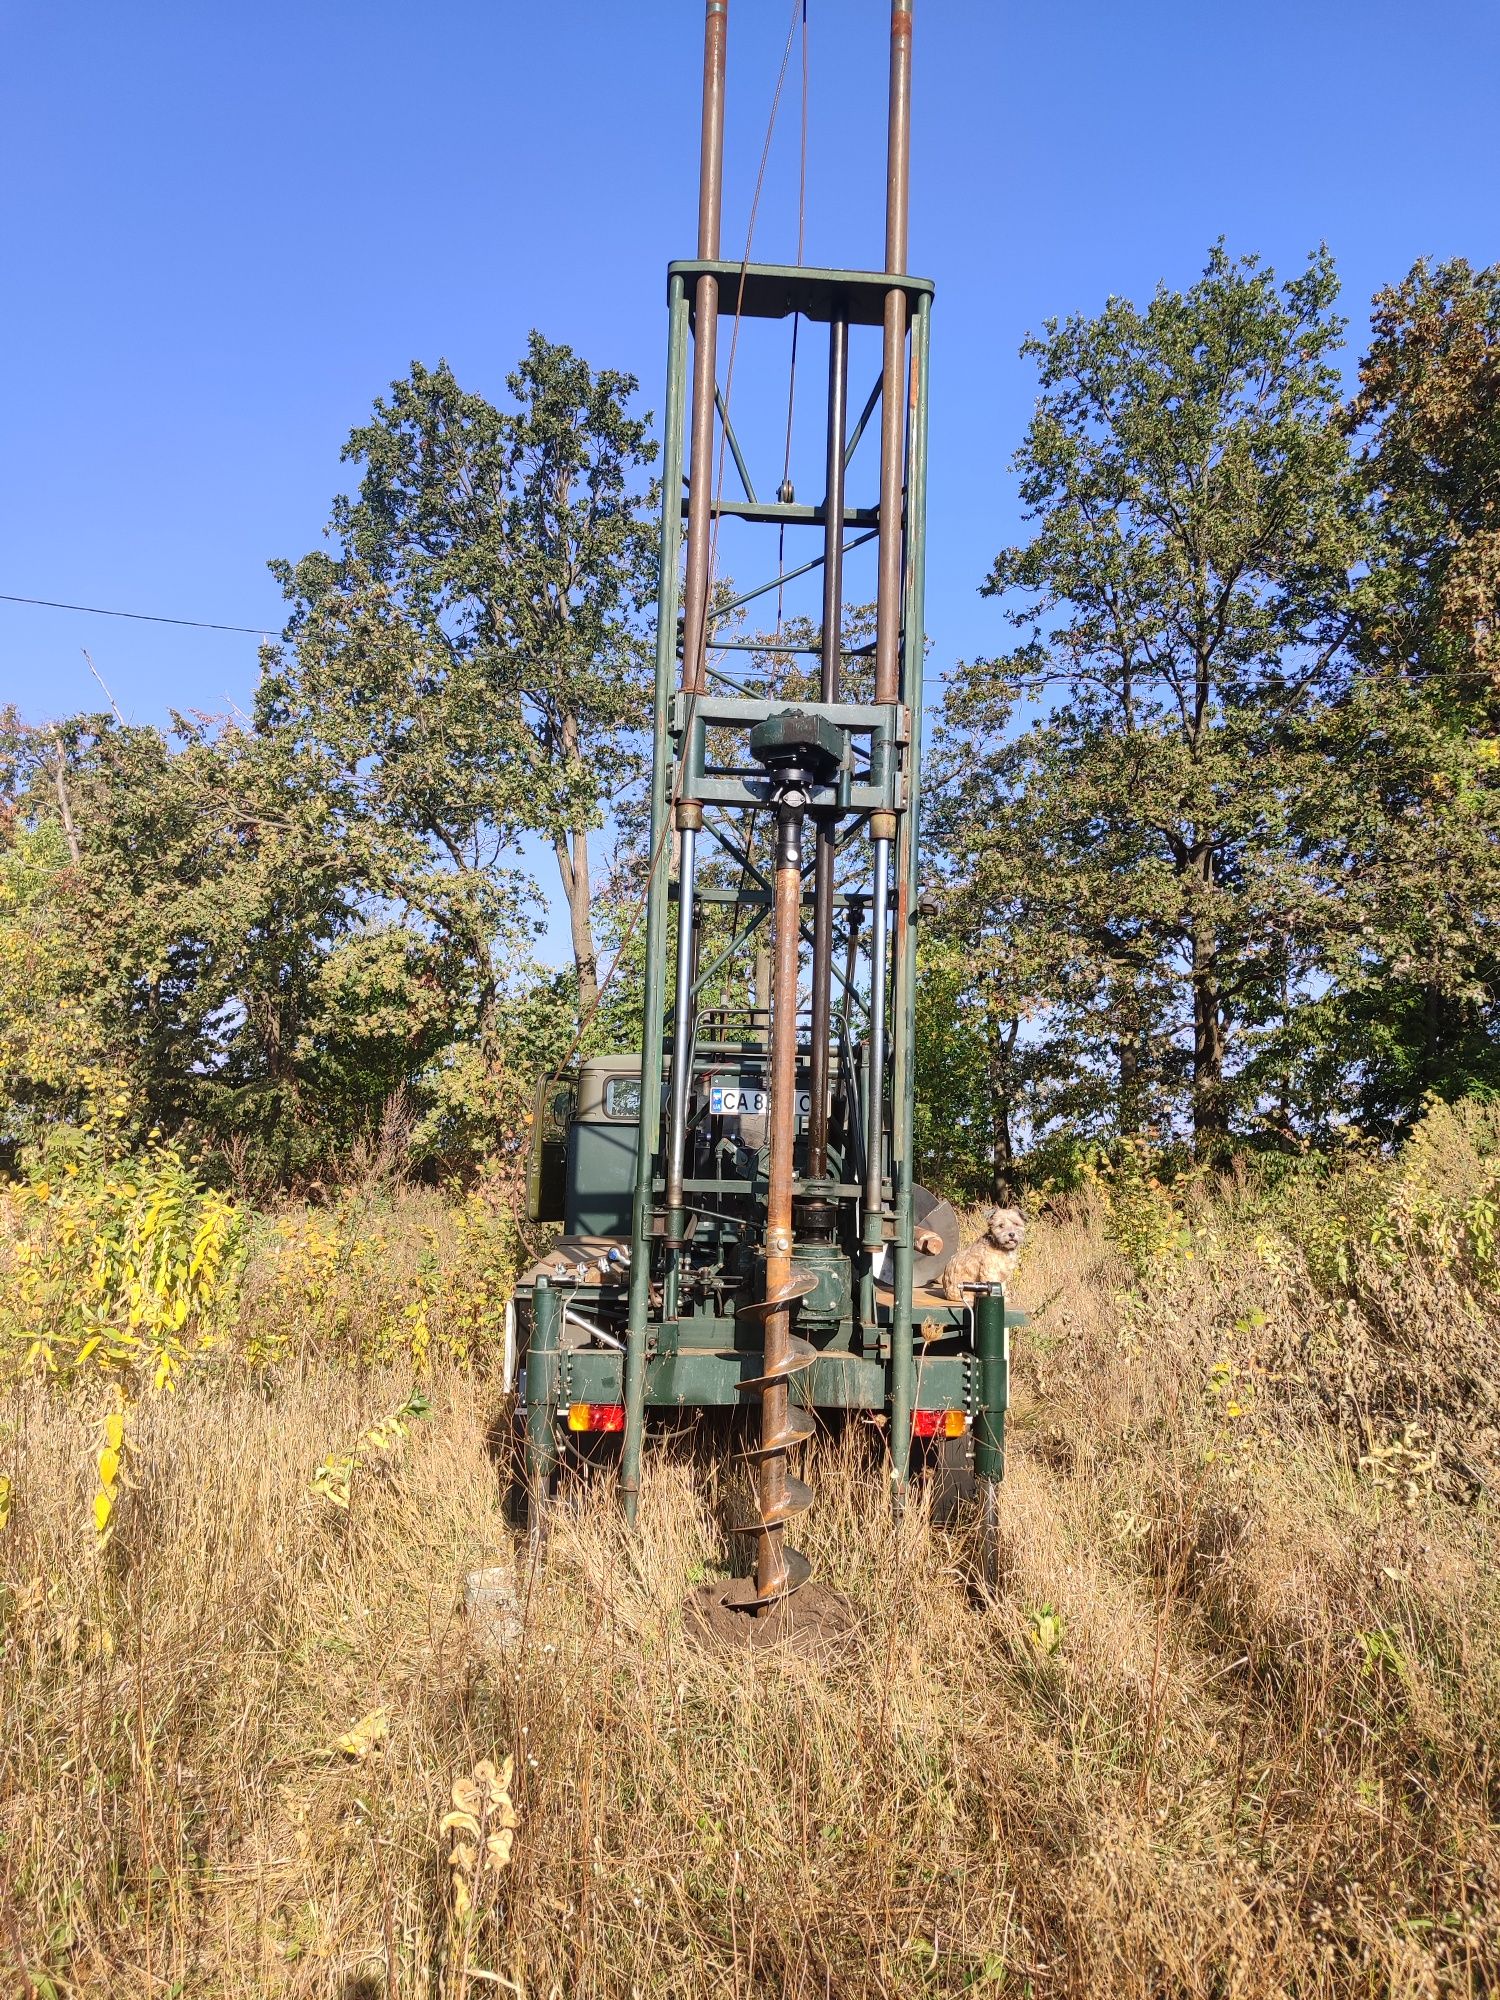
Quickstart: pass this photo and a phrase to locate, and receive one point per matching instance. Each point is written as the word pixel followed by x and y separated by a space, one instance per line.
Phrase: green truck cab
pixel 584 1137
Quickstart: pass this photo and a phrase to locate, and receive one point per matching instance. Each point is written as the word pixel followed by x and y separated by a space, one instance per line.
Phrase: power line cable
pixel 143 617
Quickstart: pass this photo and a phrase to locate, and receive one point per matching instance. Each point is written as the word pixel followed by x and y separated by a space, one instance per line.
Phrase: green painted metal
pixel 992 1340
pixel 773 291
pixel 686 1341
pixel 542 1376
pixel 667 606
pixel 708 1378
pixel 601 1176
pixel 903 1124
pixel 800 738
pixel 772 513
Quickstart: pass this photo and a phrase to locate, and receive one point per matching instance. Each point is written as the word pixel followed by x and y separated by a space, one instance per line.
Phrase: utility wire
pixel 144 617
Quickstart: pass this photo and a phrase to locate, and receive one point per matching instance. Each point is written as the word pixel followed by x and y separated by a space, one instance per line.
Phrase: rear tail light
pixel 596 1416
pixel 938 1423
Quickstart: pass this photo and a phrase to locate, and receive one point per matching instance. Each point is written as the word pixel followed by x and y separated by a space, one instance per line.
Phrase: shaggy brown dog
pixel 990 1261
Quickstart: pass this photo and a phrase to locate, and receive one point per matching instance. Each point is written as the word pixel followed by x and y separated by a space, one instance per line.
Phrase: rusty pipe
pixel 771 1568
pixel 711 142
pixel 898 138
pixel 893 368
pixel 875 1074
pixel 705 350
pixel 833 627
pixel 682 1026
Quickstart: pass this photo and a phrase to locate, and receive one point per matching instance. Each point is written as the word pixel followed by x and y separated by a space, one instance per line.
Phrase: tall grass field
pixel 1228 1727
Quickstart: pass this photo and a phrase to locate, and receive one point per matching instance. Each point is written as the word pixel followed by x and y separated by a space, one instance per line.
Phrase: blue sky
pixel 225 229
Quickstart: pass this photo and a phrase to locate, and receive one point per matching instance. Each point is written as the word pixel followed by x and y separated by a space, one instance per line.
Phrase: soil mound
pixel 814 1623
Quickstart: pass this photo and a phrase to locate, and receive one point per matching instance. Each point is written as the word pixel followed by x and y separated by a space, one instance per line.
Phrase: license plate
pixel 732 1100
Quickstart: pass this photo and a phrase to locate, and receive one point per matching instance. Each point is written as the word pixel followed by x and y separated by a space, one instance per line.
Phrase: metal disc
pixel 929 1212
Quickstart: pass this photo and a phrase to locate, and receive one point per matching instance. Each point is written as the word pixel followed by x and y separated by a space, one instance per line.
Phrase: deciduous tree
pixel 1143 841
pixel 472 650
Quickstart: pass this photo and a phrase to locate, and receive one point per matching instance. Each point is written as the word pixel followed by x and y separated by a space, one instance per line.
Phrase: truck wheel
pixel 952 1478
pixel 517 1495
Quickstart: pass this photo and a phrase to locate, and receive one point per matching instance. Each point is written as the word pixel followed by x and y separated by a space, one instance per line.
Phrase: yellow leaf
pixel 4 1500
pixel 114 1430
pixel 366 1736
pixel 104 1506
pixel 109 1468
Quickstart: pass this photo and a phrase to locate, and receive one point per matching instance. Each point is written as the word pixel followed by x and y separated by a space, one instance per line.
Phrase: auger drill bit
pixel 779 1570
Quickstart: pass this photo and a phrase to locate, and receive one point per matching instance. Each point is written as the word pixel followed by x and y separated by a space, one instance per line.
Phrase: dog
pixel 990 1261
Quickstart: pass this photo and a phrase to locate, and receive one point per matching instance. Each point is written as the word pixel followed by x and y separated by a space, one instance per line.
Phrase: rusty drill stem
pixel 771 1570
pixel 892 396
pixel 705 350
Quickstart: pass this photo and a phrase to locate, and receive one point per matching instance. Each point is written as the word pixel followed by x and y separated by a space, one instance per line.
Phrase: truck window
pixel 622 1097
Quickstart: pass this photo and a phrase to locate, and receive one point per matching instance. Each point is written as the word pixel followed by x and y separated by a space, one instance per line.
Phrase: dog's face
pixel 1007 1228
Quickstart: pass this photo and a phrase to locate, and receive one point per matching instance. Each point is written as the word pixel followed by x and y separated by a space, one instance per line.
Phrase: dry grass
pixel 1228 1728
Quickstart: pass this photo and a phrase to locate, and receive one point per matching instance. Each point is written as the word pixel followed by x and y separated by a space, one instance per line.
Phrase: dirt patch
pixel 814 1623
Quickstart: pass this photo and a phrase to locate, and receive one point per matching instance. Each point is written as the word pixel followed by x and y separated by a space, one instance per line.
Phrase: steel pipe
pixel 874 1095
pixel 542 1378
pixel 993 1348
pixel 705 350
pixel 893 366
pixel 833 632
pixel 682 1034
pixel 641 1213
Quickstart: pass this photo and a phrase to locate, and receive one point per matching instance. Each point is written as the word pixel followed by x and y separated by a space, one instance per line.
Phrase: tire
pixel 952 1477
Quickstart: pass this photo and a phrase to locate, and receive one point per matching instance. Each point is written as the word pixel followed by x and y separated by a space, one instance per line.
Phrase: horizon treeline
pixel 1214 833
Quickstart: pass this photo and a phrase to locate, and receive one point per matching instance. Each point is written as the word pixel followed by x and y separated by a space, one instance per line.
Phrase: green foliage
pixel 1145 1205
pixel 296 941
pixel 967 1076
pixel 130 1265
pixel 1235 871
pixel 53 1057
pixel 1130 864
pixel 1215 842
pixel 471 657
pixel 1416 840
pixel 127 1265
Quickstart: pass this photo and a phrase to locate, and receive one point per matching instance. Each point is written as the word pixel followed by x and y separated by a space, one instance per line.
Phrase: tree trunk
pixel 1002 1090
pixel 572 853
pixel 64 804
pixel 1210 1113
pixel 1210 1116
pixel 1126 1008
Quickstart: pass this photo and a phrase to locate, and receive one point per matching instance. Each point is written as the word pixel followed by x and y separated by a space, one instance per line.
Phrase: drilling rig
pixel 741 1226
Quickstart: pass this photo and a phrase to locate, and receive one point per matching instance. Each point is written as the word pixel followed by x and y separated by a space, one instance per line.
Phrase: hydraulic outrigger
pixel 778 1247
